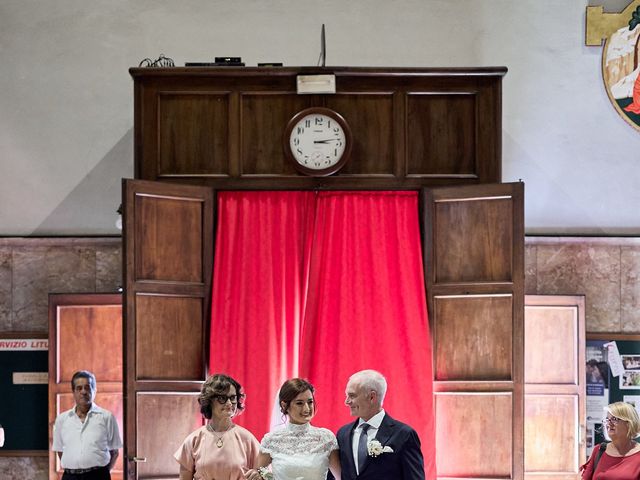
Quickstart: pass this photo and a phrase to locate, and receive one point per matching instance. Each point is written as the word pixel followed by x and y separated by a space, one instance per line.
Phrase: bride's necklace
pixel 219 440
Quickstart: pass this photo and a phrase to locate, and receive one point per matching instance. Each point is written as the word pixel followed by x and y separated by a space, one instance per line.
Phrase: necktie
pixel 362 447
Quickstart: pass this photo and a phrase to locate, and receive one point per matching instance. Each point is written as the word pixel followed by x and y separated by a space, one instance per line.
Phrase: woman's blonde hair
pixel 627 412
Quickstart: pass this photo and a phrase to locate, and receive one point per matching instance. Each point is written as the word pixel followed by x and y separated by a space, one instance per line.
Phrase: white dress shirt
pixel 86 444
pixel 374 424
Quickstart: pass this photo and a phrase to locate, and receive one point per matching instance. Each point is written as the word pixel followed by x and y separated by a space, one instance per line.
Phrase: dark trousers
pixel 98 474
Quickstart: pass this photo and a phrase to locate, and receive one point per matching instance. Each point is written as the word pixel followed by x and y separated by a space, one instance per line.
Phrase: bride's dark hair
pixel 291 389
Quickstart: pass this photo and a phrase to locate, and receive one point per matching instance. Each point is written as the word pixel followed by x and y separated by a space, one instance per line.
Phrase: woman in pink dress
pixel 620 458
pixel 221 449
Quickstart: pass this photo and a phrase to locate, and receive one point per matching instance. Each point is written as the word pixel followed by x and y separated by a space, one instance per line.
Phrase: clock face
pixel 318 141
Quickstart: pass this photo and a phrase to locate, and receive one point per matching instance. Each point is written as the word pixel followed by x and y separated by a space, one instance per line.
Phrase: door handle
pixel 138 459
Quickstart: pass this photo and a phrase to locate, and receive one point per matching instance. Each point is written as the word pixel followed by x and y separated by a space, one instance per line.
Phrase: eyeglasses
pixel 222 399
pixel 611 420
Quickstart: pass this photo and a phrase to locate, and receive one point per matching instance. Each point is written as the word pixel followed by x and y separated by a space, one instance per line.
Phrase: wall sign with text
pixel 24 384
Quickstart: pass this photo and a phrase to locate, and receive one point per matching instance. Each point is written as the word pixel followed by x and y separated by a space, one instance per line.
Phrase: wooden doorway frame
pixel 94 339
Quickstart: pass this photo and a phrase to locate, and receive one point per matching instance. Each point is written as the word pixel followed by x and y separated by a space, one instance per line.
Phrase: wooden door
pixel 474 266
pixel 554 387
pixel 85 333
pixel 474 257
pixel 168 239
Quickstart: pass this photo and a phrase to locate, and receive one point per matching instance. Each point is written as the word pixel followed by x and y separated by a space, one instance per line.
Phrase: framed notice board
pixel 626 387
pixel 24 394
pixel 602 387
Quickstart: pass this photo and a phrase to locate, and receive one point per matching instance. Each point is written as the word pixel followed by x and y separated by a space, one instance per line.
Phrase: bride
pixel 299 451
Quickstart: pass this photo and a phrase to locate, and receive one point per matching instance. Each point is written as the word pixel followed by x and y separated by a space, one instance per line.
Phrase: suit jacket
pixel 405 463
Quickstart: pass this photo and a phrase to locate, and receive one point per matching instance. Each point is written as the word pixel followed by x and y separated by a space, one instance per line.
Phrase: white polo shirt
pixel 86 445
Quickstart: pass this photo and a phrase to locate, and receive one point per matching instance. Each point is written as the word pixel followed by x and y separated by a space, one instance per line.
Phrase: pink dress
pixel 200 455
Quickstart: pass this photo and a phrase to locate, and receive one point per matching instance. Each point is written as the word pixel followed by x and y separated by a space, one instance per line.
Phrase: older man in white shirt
pixel 86 437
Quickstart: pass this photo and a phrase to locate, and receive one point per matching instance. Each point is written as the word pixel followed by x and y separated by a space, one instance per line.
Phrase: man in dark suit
pixel 376 446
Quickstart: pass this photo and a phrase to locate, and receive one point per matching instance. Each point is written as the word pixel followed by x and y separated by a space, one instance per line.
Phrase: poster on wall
pixel 626 385
pixel 620 66
pixel 613 375
pixel 597 386
pixel 630 378
pixel 633 400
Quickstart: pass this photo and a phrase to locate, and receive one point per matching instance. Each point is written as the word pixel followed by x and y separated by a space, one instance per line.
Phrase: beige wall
pixel 66 98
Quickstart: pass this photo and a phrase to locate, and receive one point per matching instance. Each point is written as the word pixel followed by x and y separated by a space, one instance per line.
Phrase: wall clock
pixel 317 141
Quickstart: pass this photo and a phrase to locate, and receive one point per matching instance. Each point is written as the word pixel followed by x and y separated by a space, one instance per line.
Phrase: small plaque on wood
pixel 30 378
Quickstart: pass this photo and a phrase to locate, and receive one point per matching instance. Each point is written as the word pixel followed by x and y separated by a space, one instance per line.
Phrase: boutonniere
pixel 375 448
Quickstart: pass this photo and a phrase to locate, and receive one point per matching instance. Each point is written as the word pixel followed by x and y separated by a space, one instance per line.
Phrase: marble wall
pixel 605 270
pixel 33 468
pixel 30 269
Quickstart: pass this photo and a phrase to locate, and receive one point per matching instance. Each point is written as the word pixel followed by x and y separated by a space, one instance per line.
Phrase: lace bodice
pixel 299 452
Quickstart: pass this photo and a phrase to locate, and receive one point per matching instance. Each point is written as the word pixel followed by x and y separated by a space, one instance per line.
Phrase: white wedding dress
pixel 299 452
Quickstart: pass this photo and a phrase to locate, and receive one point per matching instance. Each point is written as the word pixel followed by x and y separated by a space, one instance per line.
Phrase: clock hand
pixel 325 141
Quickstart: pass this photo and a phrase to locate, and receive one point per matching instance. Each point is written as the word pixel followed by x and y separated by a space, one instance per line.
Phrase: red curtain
pixel 259 291
pixel 321 286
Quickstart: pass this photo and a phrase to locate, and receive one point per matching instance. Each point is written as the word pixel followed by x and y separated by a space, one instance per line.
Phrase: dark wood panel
pixel 370 116
pixel 474 435
pixel 402 139
pixel 477 325
pixel 104 324
pixel 475 386
pixel 170 235
pixel 169 418
pixel 441 134
pixel 166 321
pixel 473 338
pixel 473 242
pixel 263 121
pixel 489 122
pixel 170 335
pixel 193 135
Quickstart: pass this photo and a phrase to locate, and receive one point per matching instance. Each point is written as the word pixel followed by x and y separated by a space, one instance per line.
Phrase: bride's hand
pixel 252 474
